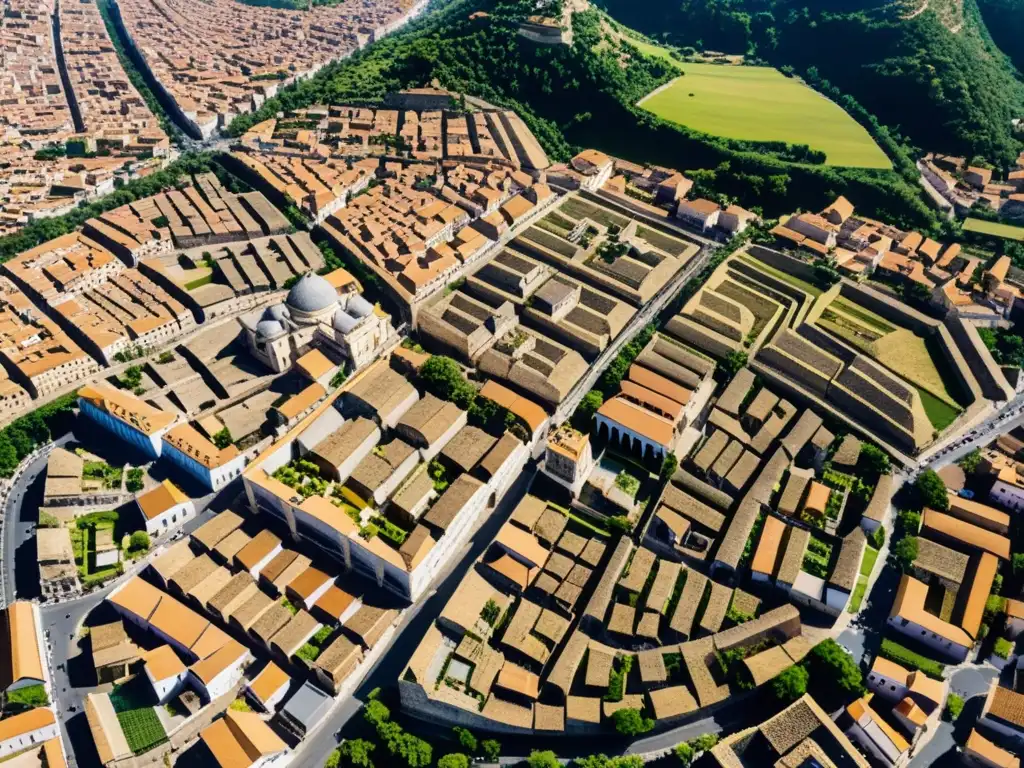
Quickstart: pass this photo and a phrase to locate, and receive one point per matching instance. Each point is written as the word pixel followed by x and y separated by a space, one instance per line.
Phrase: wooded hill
pixel 934 74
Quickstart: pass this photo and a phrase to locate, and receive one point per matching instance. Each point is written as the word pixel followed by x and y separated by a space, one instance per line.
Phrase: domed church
pixel 344 326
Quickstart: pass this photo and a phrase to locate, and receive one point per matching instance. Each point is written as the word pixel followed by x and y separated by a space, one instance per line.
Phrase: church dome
pixel 278 312
pixel 268 329
pixel 311 294
pixel 359 307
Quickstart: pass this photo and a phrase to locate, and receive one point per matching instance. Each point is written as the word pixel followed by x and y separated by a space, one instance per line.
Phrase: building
pixel 305 709
pixel 21 732
pixel 129 418
pixel 268 687
pixel 1003 712
pixel 569 459
pixel 701 214
pixel 165 672
pixel 219 672
pixel 875 736
pixel 908 616
pixel 165 506
pixel 21 660
pixel 314 314
pixel 58 574
pixel 213 467
pixel 112 652
pixel 244 740
pixel 986 754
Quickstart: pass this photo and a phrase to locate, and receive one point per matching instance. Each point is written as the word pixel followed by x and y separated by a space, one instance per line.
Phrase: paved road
pixel 667 293
pixel 17 529
pixel 1010 416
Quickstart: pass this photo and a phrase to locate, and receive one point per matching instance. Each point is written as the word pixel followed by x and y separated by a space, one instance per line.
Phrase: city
pixel 349 418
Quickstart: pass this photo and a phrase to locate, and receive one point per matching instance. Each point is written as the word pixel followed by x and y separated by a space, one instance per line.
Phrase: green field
pixel 762 104
pixel 142 729
pixel 983 227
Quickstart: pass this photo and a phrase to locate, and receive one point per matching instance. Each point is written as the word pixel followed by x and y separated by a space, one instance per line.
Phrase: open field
pixel 910 356
pixel 762 104
pixel 995 228
pixel 655 51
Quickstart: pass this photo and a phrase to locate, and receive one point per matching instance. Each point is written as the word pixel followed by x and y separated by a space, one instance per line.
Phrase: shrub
pixel 684 753
pixel 669 467
pixel 874 459
pixel 893 651
pixel 878 537
pixel 932 491
pixel 954 706
pixel 905 553
pixel 490 613
pixel 619 524
pixel 1002 648
pixel 133 483
pixel 791 684
pixel 466 739
pixel 908 523
pixel 631 722
pixel 454 760
pixel 357 752
pixel 30 697
pixel 543 759
pixel 139 541
pixel 222 439
pixel 491 748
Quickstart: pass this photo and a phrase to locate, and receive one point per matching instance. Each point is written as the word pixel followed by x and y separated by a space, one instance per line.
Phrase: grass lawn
pixel 995 228
pixel 858 594
pixel 762 104
pixel 941 414
pixel 870 555
pixel 142 729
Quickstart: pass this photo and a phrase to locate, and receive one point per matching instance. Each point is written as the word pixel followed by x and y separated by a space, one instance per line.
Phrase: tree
pixel 704 742
pixel 908 523
pixel 932 490
pixel 443 376
pixel 333 760
pixel 357 752
pixel 877 538
pixel 489 613
pixel 491 748
pixel 222 439
pixel 954 706
pixel 734 361
pixel 583 417
pixel 684 753
pixel 790 685
pixel 139 541
pixel 454 760
pixel 545 759
pixel 416 752
pixel 874 459
pixel 669 466
pixel 466 739
pixel 631 722
pixel 376 712
pixel 969 463
pixel 833 673
pixel 905 553
pixel 1018 563
pixel 603 761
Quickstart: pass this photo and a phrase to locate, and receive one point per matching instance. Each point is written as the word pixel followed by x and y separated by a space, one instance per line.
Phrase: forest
pixel 949 88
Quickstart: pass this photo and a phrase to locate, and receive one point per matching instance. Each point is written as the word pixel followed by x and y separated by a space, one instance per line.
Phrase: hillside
pixel 928 68
pixel 1005 22
pixel 584 96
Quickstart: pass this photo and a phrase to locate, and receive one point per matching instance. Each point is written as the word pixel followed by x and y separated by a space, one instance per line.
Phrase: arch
pixel 649 454
pixel 615 436
pixel 603 430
